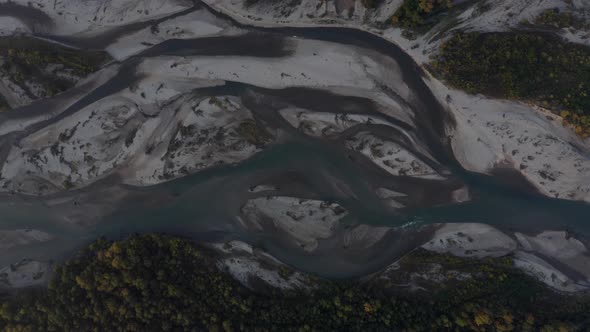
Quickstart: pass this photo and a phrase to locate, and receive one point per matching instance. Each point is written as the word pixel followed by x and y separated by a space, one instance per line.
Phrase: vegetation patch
pixel 44 69
pixel 253 133
pixel 527 66
pixel 3 105
pixel 419 13
pixel 287 5
pixel 371 4
pixel 559 19
pixel 161 283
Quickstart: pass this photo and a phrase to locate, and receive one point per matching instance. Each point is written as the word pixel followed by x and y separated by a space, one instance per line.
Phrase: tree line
pixel 537 67
pixel 157 282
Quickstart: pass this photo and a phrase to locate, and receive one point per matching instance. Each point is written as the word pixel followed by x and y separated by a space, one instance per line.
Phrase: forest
pixel 157 282
pixel 534 67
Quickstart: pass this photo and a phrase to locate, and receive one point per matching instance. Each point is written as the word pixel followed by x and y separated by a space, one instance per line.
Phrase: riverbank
pixel 332 118
pixel 189 291
pixel 553 257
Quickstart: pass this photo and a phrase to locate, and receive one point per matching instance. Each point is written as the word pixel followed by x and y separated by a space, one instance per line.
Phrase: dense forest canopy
pixel 526 66
pixel 161 283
